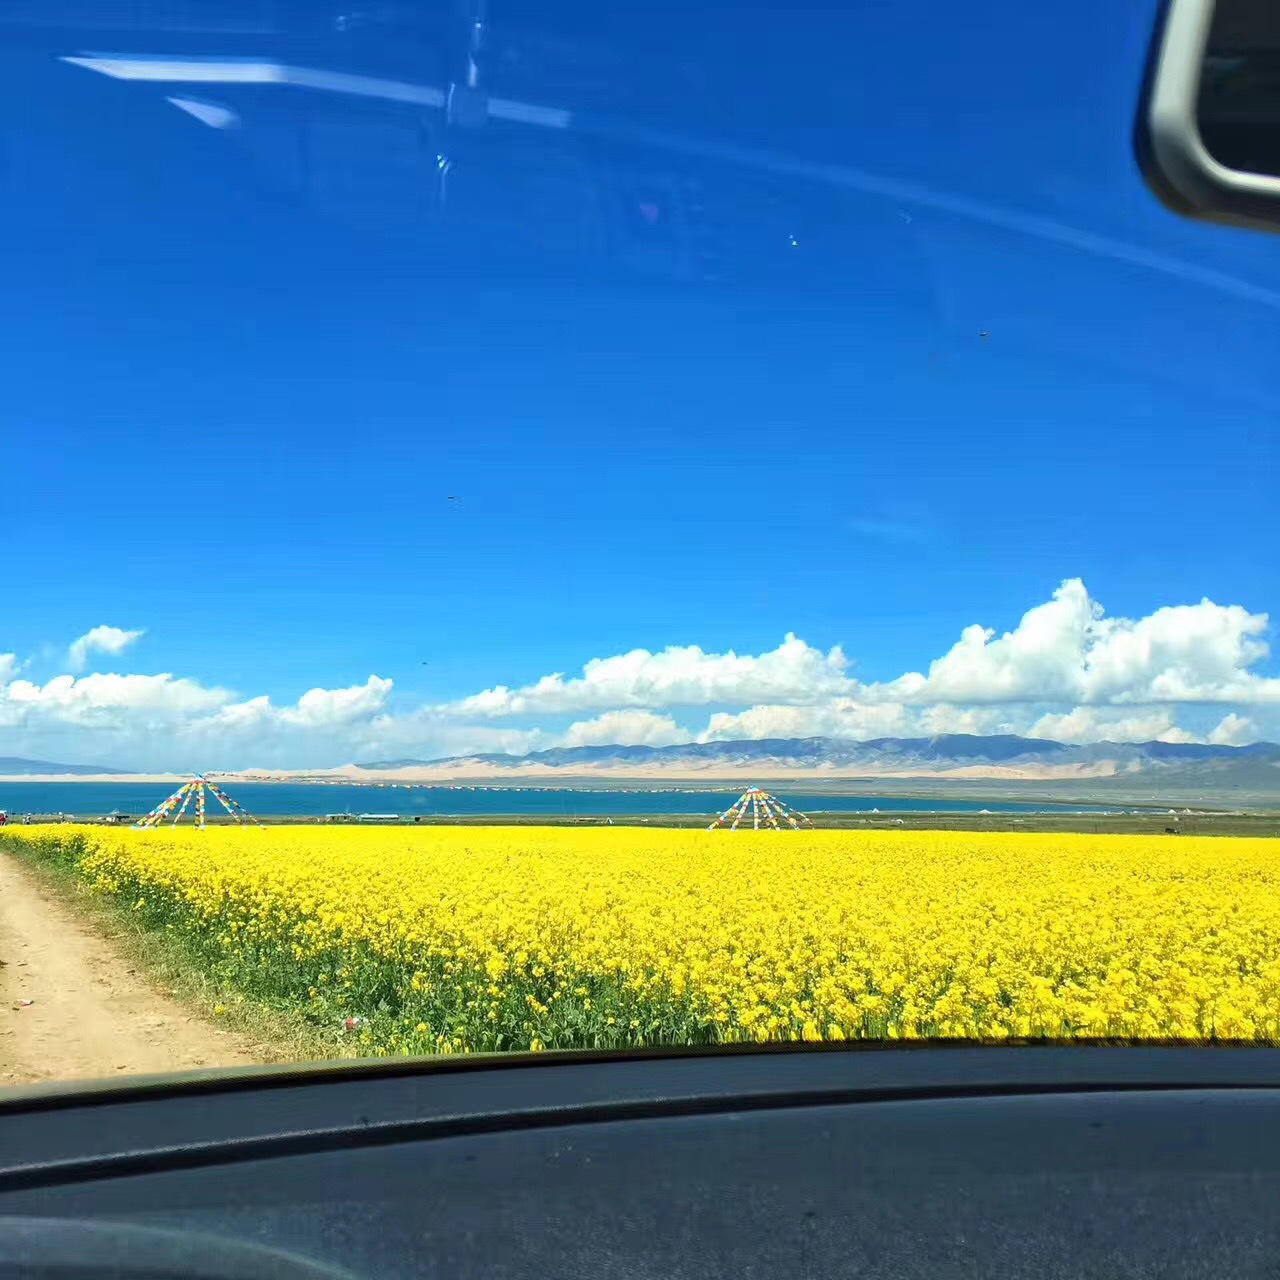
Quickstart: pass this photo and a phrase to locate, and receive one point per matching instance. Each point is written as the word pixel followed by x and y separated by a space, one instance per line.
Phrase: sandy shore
pixel 547 774
pixel 715 773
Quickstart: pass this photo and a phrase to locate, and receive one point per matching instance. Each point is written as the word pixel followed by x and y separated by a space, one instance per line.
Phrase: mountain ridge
pixel 19 765
pixel 939 753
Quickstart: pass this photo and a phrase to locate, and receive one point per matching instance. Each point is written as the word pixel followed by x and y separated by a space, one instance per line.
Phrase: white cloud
pixel 1066 670
pixel 880 720
pixel 316 712
pixel 1088 724
pixel 1234 731
pixel 630 728
pixel 1185 653
pixel 164 721
pixel 1067 651
pixel 321 708
pixel 680 675
pixel 111 640
pixel 1064 652
pixel 106 700
pixel 1038 661
pixel 236 717
pixel 438 739
pixel 1053 675
pixel 839 718
pixel 948 718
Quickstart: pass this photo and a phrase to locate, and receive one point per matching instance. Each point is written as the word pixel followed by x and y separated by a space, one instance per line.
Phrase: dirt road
pixel 93 1016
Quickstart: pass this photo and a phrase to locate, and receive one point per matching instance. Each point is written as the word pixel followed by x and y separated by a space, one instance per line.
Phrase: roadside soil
pixel 93 1014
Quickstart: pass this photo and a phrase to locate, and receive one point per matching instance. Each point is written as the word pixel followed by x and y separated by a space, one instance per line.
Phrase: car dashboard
pixel 928 1161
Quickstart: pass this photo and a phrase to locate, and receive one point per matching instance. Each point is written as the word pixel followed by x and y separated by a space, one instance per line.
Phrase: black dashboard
pixel 1056 1161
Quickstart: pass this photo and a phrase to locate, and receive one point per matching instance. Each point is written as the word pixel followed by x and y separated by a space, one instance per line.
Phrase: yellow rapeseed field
pixel 469 938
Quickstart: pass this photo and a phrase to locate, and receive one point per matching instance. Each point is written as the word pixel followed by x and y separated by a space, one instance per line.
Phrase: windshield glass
pixel 559 526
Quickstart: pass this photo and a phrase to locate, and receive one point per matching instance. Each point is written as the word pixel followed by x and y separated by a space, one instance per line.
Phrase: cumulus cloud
pixel 839 718
pixel 1054 674
pixel 1067 670
pixel 1066 650
pixel 109 700
pixel 630 728
pixel 678 676
pixel 1234 731
pixel 1089 724
pixel 420 733
pixel 1040 660
pixel 236 717
pixel 948 718
pixel 438 738
pixel 166 721
pixel 103 639
pixel 1183 653
pixel 320 708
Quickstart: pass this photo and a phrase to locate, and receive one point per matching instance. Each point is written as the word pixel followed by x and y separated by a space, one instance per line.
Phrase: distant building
pixel 115 817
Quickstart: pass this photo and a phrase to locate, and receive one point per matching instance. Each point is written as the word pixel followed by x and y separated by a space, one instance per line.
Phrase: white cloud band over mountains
pixel 1063 651
pixel 1191 672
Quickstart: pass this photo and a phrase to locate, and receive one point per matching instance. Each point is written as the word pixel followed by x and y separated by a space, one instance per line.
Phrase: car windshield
pixel 591 526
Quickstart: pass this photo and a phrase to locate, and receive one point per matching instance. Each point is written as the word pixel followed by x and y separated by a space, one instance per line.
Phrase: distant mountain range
pixel 953 764
pixel 1002 755
pixel 16 766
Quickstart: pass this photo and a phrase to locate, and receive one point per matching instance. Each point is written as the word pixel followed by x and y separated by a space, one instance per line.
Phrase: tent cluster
pixel 177 804
pixel 761 806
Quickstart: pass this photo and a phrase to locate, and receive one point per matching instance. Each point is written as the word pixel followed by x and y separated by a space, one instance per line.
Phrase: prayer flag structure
pixel 761 805
pixel 177 804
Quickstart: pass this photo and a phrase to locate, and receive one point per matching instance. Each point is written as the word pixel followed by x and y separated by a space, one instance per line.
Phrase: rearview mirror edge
pixel 1171 153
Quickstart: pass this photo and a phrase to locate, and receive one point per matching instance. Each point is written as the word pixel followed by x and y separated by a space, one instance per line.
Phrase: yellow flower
pixel 498 938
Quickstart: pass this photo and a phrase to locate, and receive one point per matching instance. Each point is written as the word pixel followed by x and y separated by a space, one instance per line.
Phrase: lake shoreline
pixel 1150 822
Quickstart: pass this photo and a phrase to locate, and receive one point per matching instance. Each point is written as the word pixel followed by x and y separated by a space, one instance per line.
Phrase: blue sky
pixel 940 352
